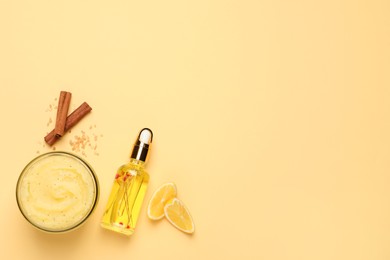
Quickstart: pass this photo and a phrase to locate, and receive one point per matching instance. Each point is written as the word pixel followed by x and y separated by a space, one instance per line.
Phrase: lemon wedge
pixel 159 198
pixel 179 216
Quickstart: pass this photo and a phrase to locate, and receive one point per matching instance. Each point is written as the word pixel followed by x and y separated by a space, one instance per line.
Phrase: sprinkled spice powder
pixel 49 122
pixel 52 106
pixel 86 142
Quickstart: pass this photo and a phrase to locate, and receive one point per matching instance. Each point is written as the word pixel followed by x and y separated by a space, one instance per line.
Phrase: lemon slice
pixel 179 216
pixel 159 198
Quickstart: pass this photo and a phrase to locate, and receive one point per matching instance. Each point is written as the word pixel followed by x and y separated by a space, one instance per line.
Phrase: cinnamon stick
pixel 62 112
pixel 71 120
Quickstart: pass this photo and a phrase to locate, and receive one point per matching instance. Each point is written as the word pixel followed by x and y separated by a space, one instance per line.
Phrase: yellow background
pixel 272 117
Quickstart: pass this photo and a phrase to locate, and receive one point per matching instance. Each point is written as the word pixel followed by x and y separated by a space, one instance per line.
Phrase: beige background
pixel 272 117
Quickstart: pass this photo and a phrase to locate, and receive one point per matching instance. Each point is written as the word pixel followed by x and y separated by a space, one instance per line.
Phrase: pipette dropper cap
pixel 142 145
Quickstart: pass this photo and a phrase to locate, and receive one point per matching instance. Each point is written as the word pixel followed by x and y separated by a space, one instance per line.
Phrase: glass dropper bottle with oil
pixel 129 188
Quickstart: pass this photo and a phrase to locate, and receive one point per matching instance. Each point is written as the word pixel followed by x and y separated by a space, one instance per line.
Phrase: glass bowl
pixel 57 192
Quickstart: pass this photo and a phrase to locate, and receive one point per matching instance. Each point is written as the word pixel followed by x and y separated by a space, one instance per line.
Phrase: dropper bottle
pixel 129 188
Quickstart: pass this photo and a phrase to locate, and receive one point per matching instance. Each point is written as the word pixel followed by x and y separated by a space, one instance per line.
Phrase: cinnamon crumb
pixel 50 107
pixel 49 122
pixel 85 142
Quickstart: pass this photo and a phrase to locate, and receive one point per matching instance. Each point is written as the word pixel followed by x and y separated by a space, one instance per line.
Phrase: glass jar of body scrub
pixel 57 192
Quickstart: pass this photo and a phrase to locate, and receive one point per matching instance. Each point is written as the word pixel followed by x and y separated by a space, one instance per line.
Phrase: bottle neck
pixel 137 162
pixel 140 151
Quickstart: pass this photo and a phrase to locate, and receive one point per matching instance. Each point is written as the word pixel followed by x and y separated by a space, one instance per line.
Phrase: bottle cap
pixel 142 145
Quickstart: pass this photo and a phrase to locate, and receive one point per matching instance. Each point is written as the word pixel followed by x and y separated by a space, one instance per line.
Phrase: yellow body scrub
pixel 57 191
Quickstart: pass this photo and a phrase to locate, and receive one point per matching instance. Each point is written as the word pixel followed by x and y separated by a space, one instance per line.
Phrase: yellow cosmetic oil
pixel 129 188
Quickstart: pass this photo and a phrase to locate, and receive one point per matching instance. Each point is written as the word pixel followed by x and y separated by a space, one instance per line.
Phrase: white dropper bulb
pixel 145 136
